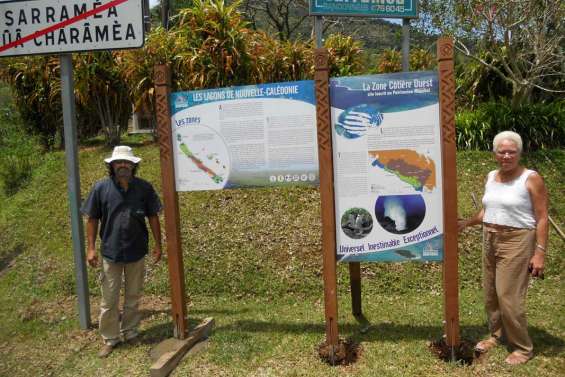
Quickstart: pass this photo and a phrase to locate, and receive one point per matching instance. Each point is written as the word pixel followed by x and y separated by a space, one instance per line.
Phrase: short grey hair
pixel 507 135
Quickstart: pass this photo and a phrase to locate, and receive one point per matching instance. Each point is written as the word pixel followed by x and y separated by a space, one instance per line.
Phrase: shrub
pixel 476 84
pixel 540 125
pixel 390 60
pixel 421 60
pixel 36 90
pixel 15 170
pixel 212 46
pixel 18 155
pixel 345 55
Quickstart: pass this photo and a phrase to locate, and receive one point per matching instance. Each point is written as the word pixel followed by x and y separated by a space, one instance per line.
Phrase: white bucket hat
pixel 122 152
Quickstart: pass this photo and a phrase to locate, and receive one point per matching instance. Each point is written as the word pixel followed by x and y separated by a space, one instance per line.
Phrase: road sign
pixel 61 26
pixel 365 8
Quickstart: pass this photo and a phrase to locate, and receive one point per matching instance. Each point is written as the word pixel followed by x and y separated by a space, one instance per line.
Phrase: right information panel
pixel 387 167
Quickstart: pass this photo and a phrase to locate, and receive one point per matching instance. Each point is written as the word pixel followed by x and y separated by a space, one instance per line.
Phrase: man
pixel 120 205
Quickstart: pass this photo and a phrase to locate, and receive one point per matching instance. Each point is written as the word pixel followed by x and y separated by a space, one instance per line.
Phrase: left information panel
pixel 245 136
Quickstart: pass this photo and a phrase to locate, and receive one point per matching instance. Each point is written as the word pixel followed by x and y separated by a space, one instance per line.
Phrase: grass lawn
pixel 253 262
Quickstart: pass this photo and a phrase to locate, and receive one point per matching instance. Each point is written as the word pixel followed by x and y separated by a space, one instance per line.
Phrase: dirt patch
pixel 8 260
pixel 464 353
pixel 346 352
pixel 57 310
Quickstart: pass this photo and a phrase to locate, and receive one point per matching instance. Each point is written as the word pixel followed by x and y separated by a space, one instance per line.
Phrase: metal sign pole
pixel 318 30
pixel 71 159
pixel 405 45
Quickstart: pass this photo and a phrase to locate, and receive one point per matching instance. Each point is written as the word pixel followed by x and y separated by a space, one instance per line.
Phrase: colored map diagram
pixel 416 169
pixel 202 161
pixel 184 148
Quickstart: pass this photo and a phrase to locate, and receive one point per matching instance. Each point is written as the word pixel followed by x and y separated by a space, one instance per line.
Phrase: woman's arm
pixel 475 220
pixel 539 197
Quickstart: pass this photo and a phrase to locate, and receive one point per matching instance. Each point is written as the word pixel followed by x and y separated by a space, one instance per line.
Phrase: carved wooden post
pixel 449 149
pixel 326 192
pixel 170 197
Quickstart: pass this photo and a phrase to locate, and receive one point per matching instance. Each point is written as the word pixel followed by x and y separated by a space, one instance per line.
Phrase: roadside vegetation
pixel 252 257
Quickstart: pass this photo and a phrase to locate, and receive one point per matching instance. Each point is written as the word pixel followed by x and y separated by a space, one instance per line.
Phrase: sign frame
pixel 448 153
pixel 211 127
pixel 362 103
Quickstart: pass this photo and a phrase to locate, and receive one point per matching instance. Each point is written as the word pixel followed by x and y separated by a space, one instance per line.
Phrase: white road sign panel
pixel 60 26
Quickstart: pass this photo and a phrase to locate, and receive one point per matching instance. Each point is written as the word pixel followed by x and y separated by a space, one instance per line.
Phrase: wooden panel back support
pixel 162 77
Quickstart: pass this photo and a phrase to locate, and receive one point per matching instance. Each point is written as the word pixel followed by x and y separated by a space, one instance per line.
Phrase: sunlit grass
pixel 252 261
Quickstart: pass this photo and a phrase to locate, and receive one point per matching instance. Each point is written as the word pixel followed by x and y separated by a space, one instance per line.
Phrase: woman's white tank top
pixel 508 203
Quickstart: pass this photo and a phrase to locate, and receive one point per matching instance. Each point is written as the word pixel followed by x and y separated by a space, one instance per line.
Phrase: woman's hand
pixel 537 264
pixel 475 220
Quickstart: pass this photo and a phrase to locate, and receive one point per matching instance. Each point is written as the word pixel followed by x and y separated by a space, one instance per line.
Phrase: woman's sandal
pixel 485 345
pixel 517 358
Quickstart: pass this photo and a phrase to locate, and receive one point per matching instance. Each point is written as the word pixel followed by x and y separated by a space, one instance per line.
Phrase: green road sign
pixel 365 8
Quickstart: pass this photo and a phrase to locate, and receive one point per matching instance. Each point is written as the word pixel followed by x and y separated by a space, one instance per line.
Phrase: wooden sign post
pixel 449 149
pixel 170 198
pixel 325 157
pixel 170 352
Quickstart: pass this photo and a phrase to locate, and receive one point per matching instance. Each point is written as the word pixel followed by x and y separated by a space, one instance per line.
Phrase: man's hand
pixel 157 254
pixel 92 257
pixel 537 264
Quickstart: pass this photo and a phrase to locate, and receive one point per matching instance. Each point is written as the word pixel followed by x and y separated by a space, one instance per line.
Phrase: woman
pixel 515 225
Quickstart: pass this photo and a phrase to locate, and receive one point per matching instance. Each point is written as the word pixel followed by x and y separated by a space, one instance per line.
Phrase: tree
pixel 100 88
pixel 524 37
pixel 284 16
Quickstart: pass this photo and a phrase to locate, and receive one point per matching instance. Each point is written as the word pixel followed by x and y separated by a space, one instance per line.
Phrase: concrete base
pixel 167 354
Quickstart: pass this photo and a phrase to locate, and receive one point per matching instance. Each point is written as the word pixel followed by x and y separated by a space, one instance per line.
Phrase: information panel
pixel 387 167
pixel 366 8
pixel 246 136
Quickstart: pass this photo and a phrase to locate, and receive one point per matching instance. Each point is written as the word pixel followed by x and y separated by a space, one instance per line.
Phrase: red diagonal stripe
pixel 62 24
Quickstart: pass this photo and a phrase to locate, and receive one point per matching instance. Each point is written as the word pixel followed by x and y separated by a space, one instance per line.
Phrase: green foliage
pixel 137 66
pixel 102 97
pixel 207 47
pixel 211 45
pixel 100 90
pixel 523 40
pixel 19 152
pixel 277 60
pixel 345 55
pixel 421 60
pixel 540 125
pixel 215 39
pixel 390 60
pixel 37 95
pixel 476 83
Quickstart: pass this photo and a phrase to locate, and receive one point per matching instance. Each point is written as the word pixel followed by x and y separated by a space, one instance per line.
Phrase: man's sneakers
pixel 132 338
pixel 105 350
